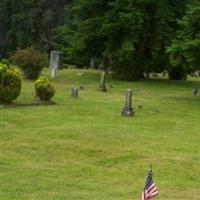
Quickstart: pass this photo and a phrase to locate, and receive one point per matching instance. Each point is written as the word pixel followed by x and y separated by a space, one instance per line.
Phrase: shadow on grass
pixel 19 105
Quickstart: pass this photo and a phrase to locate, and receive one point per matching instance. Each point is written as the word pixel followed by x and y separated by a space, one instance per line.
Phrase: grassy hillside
pixel 84 150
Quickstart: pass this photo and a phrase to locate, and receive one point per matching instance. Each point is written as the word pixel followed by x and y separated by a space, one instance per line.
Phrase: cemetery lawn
pixel 84 150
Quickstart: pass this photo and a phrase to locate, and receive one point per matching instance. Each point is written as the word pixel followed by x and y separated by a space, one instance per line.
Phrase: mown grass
pixel 83 149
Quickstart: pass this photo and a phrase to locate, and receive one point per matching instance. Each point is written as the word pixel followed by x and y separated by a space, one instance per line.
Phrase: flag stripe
pixel 150 189
pixel 153 195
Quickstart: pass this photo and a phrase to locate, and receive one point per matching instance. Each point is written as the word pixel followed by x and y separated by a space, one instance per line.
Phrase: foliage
pixel 5 61
pixel 10 84
pixel 129 36
pixel 44 89
pixel 29 23
pixel 185 49
pixel 30 61
pixel 178 72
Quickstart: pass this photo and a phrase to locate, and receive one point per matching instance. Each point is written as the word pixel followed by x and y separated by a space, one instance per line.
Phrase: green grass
pixel 84 150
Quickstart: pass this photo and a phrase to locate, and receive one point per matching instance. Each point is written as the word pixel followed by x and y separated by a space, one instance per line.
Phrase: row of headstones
pixel 127 110
pixel 55 62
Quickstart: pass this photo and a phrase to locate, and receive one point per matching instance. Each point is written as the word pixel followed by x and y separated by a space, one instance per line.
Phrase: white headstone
pixel 54 62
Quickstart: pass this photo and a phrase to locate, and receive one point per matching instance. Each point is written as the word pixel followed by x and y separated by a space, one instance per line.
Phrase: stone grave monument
pixel 55 62
pixel 74 93
pixel 102 86
pixel 128 110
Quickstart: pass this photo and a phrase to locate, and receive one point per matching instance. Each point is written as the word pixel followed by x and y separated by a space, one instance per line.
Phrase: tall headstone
pixel 128 110
pixel 102 86
pixel 55 60
pixel 74 93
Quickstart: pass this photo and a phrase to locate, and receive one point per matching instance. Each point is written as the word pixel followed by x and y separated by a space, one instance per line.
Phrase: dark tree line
pixel 129 36
pixel 25 23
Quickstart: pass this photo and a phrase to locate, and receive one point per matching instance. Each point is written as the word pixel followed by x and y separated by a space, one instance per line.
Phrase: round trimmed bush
pixel 10 83
pixel 30 61
pixel 44 89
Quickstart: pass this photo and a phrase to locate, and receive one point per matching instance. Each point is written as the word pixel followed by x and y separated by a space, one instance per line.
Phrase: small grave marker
pixel 74 93
pixel 102 86
pixel 196 91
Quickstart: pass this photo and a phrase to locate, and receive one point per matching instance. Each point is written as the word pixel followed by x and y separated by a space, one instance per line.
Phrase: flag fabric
pixel 150 189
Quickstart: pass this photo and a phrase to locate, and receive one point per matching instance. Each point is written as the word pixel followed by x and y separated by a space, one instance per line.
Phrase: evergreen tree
pixel 29 23
pixel 185 49
pixel 130 36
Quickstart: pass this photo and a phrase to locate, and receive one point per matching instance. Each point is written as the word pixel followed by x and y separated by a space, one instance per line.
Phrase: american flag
pixel 150 189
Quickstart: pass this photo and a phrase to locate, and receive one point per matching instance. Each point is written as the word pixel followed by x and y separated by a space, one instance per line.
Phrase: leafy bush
pixel 125 65
pixel 178 68
pixel 44 89
pixel 10 84
pixel 5 61
pixel 178 72
pixel 30 61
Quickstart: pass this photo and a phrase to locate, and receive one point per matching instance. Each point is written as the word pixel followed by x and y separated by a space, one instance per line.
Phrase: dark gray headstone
pixel 55 61
pixel 196 90
pixel 74 93
pixel 128 110
pixel 102 86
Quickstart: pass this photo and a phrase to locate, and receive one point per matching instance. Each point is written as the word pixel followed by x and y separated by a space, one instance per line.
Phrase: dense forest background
pixel 129 36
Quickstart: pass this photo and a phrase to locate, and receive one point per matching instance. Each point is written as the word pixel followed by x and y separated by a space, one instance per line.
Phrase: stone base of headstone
pixel 102 88
pixel 128 112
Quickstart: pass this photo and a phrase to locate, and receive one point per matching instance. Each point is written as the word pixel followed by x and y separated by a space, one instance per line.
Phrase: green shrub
pixel 10 84
pixel 178 68
pixel 30 61
pixel 44 89
pixel 5 61
pixel 178 72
